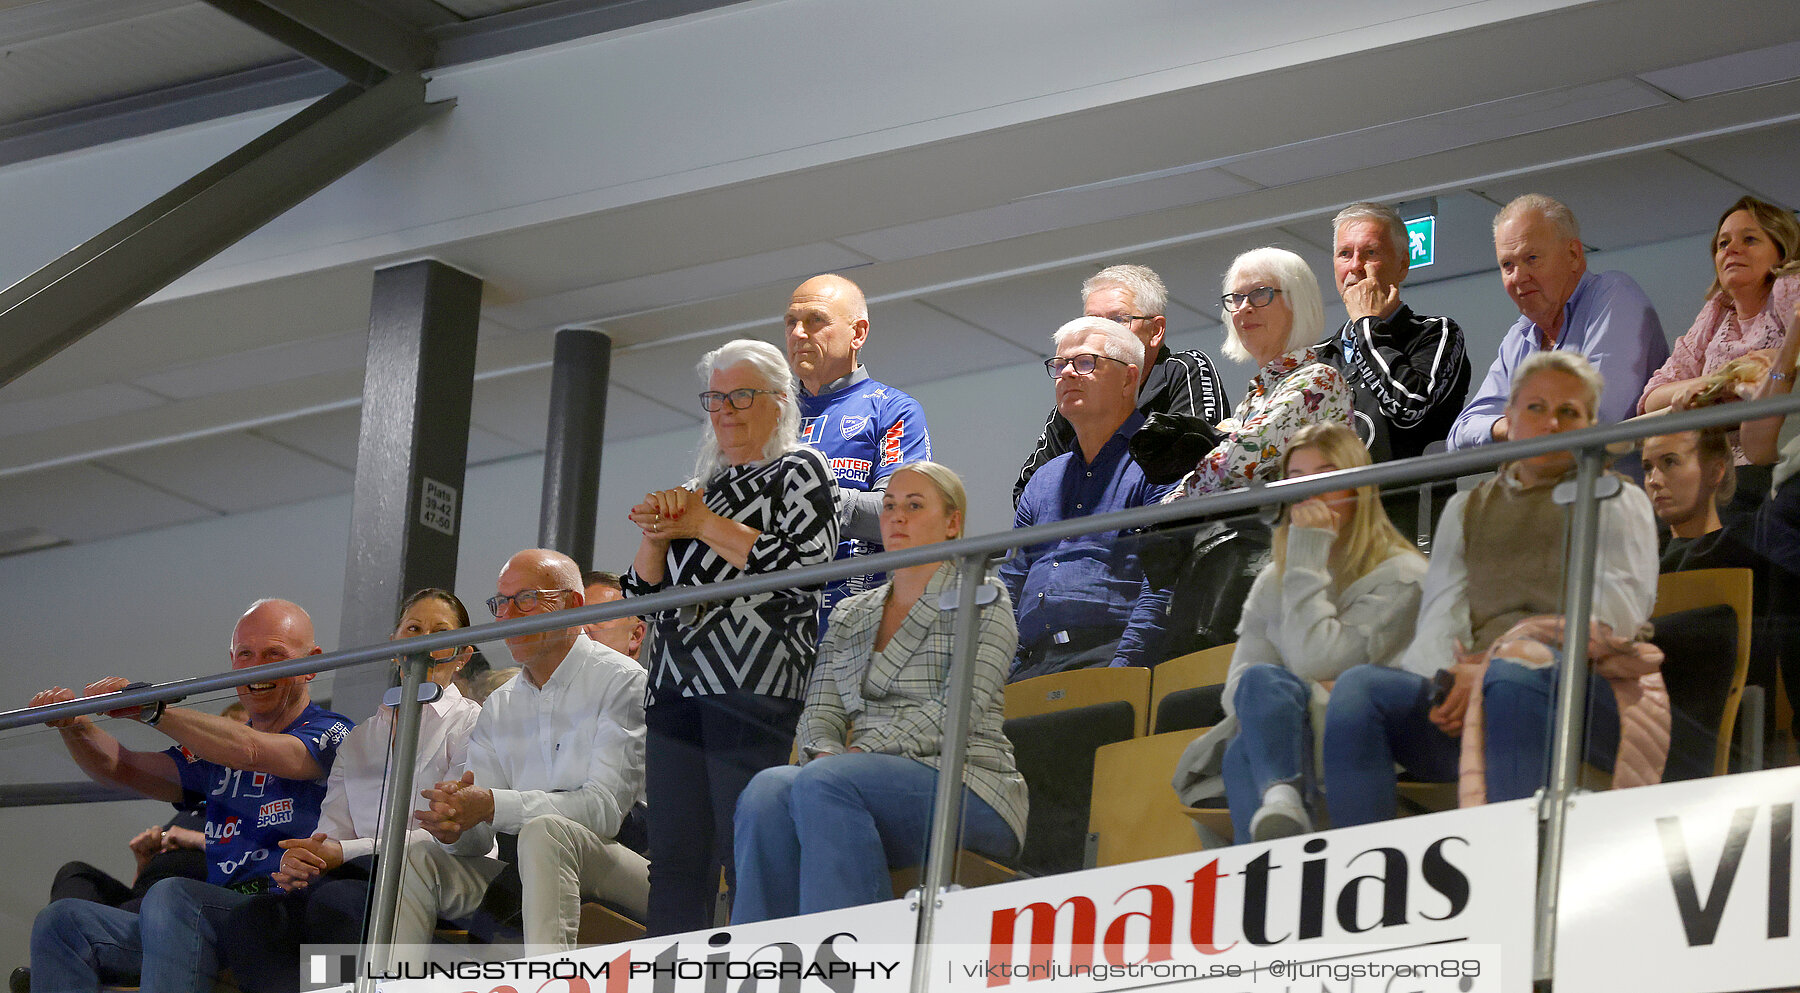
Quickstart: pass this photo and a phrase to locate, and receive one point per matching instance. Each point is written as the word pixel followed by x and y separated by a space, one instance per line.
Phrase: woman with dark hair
pixel 726 678
pixel 323 881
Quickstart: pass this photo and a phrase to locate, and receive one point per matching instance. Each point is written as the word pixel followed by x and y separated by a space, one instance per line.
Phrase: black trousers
pixel 261 939
pixel 81 881
pixel 700 754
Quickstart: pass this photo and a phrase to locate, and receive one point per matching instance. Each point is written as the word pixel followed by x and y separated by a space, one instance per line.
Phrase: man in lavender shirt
pixel 1604 316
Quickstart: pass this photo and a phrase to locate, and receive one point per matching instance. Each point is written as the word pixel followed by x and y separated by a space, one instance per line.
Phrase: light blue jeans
pixel 1379 717
pixel 77 945
pixel 822 836
pixel 1274 743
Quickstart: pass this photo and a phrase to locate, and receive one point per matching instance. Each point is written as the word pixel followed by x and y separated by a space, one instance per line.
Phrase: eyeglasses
pixel 1262 296
pixel 713 400
pixel 525 601
pixel 1083 364
pixel 1127 319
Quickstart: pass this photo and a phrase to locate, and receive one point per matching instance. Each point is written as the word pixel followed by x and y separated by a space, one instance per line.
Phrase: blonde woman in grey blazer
pixel 824 834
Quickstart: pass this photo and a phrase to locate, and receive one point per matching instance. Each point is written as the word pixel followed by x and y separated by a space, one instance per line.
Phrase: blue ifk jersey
pixel 866 430
pixel 249 813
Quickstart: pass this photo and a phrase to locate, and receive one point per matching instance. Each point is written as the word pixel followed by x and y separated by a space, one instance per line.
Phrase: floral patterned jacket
pixel 1292 391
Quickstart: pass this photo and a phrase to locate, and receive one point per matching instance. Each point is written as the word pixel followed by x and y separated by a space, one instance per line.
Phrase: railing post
pixel 1567 738
pixel 946 811
pixel 396 811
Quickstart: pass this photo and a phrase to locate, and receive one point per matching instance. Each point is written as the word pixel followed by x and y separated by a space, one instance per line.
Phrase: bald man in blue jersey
pixel 866 429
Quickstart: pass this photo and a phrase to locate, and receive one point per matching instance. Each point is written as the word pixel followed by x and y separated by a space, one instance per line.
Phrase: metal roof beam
pixel 110 273
pixel 358 42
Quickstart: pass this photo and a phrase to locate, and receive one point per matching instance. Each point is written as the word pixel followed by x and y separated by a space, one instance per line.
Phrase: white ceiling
pixel 970 246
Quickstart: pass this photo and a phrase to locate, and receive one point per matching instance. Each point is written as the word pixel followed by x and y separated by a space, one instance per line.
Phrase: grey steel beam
pixel 406 513
pixel 139 114
pixel 111 272
pixel 551 23
pixel 358 42
pixel 579 373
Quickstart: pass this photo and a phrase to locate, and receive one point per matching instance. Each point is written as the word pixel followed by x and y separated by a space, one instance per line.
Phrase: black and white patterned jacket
pixel 764 643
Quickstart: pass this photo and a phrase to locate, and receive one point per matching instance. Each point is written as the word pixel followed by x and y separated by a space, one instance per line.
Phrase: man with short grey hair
pixel 1409 371
pixel 1604 316
pixel 1082 602
pixel 1169 382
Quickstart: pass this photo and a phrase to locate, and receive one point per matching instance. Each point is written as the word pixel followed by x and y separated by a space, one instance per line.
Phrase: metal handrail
pixel 1424 468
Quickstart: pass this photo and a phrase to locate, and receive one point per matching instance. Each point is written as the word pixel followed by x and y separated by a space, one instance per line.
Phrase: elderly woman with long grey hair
pixel 727 678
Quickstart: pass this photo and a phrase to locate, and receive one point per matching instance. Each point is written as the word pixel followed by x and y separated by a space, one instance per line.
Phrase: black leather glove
pixel 1168 446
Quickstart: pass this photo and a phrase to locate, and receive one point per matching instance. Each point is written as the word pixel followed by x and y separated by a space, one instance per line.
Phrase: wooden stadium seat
pixel 1055 724
pixel 1135 814
pixel 1185 691
pixel 1081 688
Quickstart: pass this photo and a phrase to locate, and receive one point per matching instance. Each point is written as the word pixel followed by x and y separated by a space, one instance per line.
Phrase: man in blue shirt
pixel 1083 602
pixel 1183 382
pixel 865 428
pixel 1604 316
pixel 259 783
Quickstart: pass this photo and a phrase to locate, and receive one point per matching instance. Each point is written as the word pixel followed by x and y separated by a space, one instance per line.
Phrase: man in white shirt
pixel 557 759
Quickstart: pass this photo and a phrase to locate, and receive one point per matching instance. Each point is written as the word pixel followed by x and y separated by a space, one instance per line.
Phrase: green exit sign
pixel 1421 241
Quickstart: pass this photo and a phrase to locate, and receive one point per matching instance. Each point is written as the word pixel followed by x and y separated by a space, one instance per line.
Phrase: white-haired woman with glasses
pixel 1273 314
pixel 727 677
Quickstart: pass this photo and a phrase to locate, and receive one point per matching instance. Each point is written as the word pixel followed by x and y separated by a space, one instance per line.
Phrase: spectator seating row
pixel 1098 746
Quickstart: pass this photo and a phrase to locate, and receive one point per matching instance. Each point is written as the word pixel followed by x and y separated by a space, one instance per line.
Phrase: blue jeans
pixel 822 836
pixel 1516 717
pixel 1379 717
pixel 1273 743
pixel 77 945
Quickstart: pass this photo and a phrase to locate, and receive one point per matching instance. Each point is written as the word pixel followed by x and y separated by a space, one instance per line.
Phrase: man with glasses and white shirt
pixel 866 429
pixel 1169 382
pixel 556 761
pixel 1082 602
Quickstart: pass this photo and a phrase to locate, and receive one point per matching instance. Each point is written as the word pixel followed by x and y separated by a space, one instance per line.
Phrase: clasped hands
pixel 456 807
pixel 1530 640
pixel 668 514
pixel 306 859
pixel 154 840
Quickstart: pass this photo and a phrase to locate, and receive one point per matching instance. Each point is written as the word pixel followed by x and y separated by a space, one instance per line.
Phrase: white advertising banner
pixel 858 950
pixel 1428 904
pixel 1685 888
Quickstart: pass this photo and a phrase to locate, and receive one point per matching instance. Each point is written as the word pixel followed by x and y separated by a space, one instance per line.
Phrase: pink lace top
pixel 1718 336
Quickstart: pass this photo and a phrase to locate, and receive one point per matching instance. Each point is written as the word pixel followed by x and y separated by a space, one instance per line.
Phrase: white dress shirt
pixel 574 746
pixel 352 807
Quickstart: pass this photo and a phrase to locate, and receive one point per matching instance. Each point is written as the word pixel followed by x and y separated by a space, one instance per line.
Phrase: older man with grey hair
pixel 1604 316
pixel 1409 371
pixel 1169 382
pixel 1082 601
